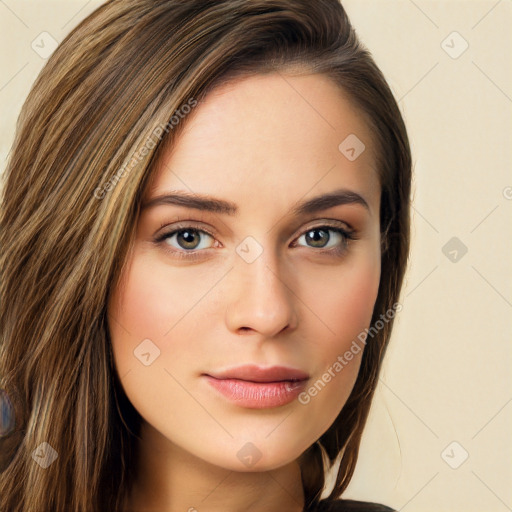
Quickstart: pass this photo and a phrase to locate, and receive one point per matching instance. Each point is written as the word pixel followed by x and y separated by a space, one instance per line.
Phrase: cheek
pixel 156 302
pixel 345 301
pixel 345 307
pixel 357 300
pixel 351 314
pixel 153 298
pixel 141 307
pixel 150 303
pixel 141 304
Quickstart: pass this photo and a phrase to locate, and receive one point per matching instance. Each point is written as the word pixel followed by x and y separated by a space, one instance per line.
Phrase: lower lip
pixel 258 395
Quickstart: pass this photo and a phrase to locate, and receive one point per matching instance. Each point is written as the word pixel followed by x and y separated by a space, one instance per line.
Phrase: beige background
pixel 447 377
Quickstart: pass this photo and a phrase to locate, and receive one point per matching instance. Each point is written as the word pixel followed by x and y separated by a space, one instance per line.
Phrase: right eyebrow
pixel 195 201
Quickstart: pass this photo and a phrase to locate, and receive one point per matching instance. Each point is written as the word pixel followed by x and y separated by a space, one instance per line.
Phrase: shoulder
pixel 352 506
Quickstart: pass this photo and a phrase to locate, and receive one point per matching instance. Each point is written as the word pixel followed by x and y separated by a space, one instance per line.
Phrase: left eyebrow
pixel 211 204
pixel 326 201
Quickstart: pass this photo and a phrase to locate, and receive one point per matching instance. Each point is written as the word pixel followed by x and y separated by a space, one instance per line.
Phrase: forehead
pixel 272 138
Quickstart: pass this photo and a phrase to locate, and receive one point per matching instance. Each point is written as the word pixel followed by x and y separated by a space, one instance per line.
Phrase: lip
pixel 259 388
pixel 254 373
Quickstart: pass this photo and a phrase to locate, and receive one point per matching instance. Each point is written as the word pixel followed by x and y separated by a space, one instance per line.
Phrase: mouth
pixel 254 373
pixel 254 387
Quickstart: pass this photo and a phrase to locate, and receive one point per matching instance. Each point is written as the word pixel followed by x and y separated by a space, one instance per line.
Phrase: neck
pixel 170 479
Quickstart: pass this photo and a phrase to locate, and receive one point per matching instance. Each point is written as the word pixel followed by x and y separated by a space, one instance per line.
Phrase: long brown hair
pixel 70 201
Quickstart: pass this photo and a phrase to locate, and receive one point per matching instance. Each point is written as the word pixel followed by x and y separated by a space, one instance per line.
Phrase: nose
pixel 260 297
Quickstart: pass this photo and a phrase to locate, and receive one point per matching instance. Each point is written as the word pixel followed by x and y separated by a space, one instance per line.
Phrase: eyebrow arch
pixel 210 204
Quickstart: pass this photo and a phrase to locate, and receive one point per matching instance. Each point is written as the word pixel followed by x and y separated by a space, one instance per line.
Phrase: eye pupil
pixel 316 239
pixel 188 236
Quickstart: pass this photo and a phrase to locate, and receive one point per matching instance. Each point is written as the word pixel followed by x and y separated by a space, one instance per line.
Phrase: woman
pixel 143 370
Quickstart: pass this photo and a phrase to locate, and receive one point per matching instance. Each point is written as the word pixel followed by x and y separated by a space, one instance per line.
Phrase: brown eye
pixel 319 237
pixel 187 238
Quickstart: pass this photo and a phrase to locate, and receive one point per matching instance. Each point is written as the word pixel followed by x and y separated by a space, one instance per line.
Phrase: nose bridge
pixel 259 298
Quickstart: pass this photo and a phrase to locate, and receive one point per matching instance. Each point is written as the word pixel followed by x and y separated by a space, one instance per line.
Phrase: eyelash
pixel 348 236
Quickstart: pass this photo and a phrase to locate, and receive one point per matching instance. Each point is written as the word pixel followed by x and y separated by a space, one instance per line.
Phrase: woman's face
pixel 261 283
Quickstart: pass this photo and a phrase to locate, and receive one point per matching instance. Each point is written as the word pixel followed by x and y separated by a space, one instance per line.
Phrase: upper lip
pixel 256 373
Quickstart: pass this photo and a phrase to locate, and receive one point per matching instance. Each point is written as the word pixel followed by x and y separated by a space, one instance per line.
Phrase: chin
pixel 253 454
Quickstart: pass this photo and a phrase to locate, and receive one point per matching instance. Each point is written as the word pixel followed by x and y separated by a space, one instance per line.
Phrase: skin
pixel 265 143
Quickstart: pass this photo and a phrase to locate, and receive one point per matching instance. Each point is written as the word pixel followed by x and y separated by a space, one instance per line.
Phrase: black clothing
pixel 351 506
